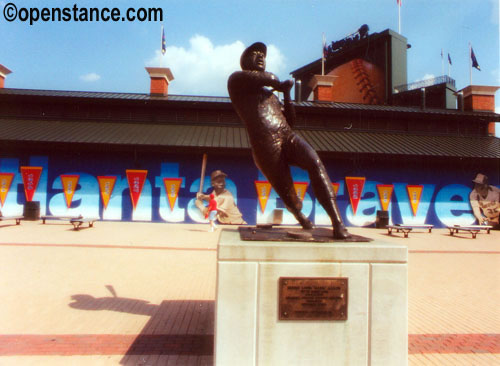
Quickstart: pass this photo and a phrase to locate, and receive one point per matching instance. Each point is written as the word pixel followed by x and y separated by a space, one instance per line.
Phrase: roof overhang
pixel 479 90
pixel 4 71
pixel 195 136
pixel 160 72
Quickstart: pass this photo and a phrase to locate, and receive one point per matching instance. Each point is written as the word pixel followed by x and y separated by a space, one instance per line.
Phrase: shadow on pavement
pixel 178 332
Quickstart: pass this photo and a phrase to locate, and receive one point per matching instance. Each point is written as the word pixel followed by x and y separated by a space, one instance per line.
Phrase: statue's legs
pixel 277 172
pixel 300 153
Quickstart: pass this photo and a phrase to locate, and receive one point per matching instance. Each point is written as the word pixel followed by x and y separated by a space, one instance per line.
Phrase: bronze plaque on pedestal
pixel 313 298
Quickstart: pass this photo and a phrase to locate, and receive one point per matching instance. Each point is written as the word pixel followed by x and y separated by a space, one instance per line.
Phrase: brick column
pixel 480 98
pixel 3 73
pixel 160 78
pixel 322 86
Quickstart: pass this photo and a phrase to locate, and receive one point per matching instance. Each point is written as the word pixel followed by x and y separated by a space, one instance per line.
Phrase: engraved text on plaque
pixel 313 298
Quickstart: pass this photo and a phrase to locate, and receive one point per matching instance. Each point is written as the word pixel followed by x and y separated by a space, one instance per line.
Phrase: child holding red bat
pixel 212 212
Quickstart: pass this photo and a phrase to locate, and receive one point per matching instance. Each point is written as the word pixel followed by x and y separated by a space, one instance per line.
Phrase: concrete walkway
pixel 143 294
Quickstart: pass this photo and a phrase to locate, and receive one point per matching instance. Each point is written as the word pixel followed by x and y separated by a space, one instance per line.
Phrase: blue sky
pixel 205 39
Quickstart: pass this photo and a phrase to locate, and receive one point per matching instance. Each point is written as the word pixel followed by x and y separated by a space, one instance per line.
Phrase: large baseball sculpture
pixel 358 81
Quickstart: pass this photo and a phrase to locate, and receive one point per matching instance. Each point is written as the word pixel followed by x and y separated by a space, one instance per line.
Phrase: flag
pixel 163 42
pixel 325 50
pixel 474 60
pixel 400 2
pixel 449 59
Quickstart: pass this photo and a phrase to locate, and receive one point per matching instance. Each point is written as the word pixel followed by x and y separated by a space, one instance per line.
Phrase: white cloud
pixel 203 68
pixel 426 77
pixel 90 77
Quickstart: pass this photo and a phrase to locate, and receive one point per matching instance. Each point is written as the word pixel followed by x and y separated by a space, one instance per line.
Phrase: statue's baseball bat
pixel 203 167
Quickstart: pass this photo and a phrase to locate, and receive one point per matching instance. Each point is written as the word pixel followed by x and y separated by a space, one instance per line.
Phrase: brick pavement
pixel 453 343
pixel 202 345
pixel 143 294
pixel 106 344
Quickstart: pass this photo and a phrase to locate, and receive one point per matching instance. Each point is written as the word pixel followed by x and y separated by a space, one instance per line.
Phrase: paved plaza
pixel 144 294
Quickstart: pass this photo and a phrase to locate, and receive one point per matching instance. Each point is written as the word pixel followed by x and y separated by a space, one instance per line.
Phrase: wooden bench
pixel 473 229
pixel 81 220
pixel 17 218
pixel 407 228
pixel 53 217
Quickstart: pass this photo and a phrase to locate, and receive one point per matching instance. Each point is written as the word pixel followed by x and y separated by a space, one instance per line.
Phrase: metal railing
pixel 445 79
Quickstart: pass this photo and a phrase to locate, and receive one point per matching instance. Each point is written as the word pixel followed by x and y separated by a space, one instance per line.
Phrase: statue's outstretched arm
pixel 258 79
pixel 247 80
pixel 289 111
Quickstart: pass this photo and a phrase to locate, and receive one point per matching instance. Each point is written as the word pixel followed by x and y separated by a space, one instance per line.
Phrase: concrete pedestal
pixel 248 330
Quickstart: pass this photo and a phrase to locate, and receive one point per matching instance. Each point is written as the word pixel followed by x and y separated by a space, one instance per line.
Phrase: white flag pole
pixel 399 16
pixel 323 56
pixel 442 62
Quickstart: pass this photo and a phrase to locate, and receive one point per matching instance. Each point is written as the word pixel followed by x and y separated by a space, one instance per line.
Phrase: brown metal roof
pixel 115 133
pixel 403 144
pixel 191 99
pixel 110 95
pixel 491 116
pixel 235 137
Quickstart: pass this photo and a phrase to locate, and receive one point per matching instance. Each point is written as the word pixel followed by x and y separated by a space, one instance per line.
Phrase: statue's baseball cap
pixel 217 173
pixel 257 46
pixel 481 179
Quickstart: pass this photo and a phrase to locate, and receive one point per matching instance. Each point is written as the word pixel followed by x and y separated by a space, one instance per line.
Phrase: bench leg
pixel 91 224
pixel 389 231
pixel 451 232
pixel 473 234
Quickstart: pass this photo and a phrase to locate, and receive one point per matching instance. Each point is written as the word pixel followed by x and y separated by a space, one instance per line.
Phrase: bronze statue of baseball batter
pixel 275 146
